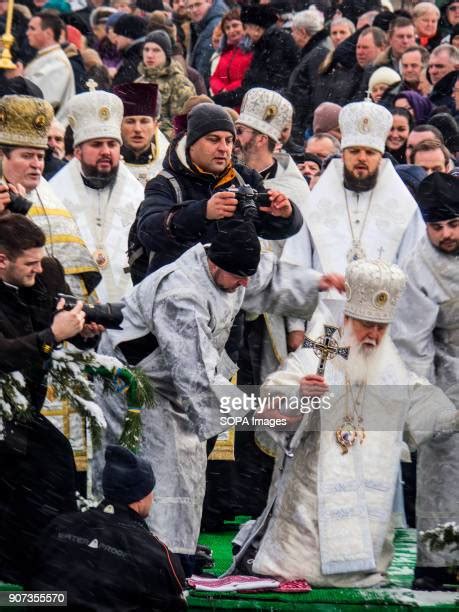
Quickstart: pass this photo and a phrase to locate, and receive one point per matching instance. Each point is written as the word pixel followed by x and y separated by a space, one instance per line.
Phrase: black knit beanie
pixel 236 247
pixel 205 118
pixel 162 39
pixel 126 478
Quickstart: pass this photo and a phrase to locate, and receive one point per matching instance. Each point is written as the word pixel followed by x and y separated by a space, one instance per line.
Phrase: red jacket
pixel 230 70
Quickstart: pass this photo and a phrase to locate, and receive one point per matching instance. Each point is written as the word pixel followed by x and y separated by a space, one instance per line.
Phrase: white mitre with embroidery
pixel 372 290
pixel 265 111
pixel 364 124
pixel 95 114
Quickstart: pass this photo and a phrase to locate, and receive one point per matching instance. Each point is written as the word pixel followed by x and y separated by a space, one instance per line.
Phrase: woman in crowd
pixel 419 107
pixel 402 124
pixel 425 18
pixel 381 81
pixel 235 56
pixel 158 67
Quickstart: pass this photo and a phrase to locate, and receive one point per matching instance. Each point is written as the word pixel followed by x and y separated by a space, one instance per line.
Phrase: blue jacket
pixel 201 39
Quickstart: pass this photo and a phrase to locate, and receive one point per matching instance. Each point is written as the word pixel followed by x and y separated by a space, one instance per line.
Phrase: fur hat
pixel 130 26
pixel 261 15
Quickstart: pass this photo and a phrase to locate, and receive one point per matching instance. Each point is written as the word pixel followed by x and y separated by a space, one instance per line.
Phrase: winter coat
pixel 131 58
pixel 301 80
pixel 108 560
pixel 275 55
pixel 342 81
pixel 201 49
pixel 171 238
pixel 37 479
pixel 231 68
pixel 442 92
pixel 175 89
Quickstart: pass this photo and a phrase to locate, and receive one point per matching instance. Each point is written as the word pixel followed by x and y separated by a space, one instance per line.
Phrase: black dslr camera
pixel 108 315
pixel 248 200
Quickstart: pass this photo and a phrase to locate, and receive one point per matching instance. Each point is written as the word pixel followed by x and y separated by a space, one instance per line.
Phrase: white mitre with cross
pixel 95 114
pixel 265 111
pixel 364 124
pixel 373 289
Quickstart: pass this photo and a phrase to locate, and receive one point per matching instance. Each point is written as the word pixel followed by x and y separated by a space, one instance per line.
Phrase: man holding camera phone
pixel 199 169
pixel 37 478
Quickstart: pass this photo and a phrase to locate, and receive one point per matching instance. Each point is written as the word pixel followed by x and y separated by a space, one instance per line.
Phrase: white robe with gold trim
pixel 118 206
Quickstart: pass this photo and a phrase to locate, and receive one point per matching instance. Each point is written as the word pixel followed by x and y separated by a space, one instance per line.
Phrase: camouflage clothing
pixel 175 89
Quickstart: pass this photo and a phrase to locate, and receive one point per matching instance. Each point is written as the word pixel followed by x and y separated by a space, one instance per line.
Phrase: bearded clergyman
pixel 329 515
pixel 359 208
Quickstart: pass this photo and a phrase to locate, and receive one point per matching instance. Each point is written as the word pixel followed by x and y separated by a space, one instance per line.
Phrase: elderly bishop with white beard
pixel 329 515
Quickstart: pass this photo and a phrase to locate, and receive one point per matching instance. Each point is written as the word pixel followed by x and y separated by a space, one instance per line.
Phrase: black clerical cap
pixel 236 247
pixel 438 197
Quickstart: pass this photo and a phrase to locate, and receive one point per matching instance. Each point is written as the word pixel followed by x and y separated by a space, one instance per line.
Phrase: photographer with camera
pixel 184 203
pixel 37 476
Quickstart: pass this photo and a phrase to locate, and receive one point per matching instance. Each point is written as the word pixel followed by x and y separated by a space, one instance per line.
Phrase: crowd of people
pixel 237 175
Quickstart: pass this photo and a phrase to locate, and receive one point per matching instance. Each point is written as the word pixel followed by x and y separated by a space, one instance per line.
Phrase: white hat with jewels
pixel 95 114
pixel 265 111
pixel 364 124
pixel 372 290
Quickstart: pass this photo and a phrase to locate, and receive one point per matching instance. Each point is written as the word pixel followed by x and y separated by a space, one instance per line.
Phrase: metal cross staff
pixel 326 347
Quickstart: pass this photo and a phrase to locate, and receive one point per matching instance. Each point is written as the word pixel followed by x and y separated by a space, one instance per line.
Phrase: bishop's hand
pixel 313 385
pixel 332 281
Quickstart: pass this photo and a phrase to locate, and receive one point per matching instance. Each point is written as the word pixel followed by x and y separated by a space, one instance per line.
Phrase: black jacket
pixel 275 55
pixel 132 56
pixel 301 81
pixel 190 226
pixel 442 92
pixel 37 474
pixel 107 560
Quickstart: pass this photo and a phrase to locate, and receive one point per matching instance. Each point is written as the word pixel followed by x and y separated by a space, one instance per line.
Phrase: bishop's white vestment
pixel 328 517
pixel 386 221
pixel 104 217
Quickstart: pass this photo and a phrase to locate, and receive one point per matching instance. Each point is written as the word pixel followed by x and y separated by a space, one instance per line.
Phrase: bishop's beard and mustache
pixel 98 180
pixel 359 184
pixel 364 364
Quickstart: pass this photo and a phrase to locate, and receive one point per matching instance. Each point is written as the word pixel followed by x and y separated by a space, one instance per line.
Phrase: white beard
pixel 364 364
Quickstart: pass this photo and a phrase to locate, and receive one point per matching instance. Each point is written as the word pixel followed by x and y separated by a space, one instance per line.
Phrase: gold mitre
pixel 25 121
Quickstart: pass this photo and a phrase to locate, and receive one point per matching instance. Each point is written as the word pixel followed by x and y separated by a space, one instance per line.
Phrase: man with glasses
pixel 205 15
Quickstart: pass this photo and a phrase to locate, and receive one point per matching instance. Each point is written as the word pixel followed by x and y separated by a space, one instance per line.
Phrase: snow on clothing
pixel 175 89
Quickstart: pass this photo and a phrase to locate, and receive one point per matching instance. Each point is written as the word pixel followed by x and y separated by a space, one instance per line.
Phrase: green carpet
pixel 396 597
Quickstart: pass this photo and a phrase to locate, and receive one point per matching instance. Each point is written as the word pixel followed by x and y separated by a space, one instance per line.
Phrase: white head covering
pixel 265 111
pixel 372 290
pixel 95 114
pixel 364 124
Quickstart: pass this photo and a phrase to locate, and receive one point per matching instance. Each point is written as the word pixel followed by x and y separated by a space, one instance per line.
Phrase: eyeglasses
pixel 453 7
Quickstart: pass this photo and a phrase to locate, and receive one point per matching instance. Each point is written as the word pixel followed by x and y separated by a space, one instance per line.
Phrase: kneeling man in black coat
pixel 106 558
